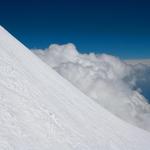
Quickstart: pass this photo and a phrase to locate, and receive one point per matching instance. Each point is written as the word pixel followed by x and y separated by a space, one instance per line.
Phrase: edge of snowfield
pixel 39 110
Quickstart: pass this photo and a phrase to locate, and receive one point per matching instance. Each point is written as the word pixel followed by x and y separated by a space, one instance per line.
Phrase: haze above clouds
pixel 116 85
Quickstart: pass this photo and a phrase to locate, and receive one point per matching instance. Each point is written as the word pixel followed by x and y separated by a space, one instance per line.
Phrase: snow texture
pixel 112 83
pixel 40 110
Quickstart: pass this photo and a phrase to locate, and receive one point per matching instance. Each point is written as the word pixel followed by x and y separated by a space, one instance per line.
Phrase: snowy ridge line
pixel 66 88
pixel 77 122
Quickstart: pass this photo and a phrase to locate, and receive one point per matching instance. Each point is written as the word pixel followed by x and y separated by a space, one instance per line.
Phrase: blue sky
pixel 116 27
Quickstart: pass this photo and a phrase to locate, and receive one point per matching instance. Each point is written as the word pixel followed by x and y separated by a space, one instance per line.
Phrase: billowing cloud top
pixel 108 80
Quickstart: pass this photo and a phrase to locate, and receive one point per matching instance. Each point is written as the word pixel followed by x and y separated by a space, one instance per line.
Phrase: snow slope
pixel 39 110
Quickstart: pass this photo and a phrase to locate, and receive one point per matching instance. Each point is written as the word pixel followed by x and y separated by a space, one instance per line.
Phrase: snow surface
pixel 112 83
pixel 39 110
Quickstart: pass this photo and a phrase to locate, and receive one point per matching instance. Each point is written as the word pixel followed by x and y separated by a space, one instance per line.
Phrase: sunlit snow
pixel 40 110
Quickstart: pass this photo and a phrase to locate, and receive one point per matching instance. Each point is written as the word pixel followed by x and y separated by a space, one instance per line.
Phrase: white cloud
pixel 108 80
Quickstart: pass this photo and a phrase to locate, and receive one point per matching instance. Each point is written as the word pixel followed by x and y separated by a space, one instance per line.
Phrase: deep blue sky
pixel 118 27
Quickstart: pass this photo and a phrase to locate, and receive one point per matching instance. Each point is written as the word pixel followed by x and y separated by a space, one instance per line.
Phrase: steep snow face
pixel 39 110
pixel 106 79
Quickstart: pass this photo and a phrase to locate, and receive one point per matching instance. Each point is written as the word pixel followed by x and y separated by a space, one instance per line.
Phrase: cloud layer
pixel 106 79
